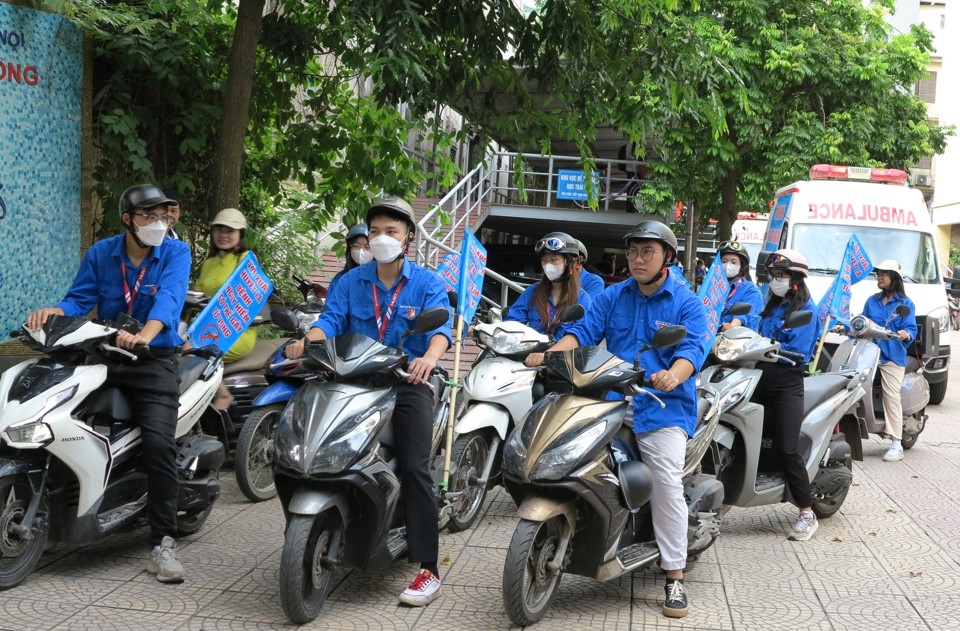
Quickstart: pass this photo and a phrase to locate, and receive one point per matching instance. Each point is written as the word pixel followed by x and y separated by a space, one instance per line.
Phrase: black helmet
pixel 557 243
pixel 142 196
pixel 735 247
pixel 653 230
pixel 394 207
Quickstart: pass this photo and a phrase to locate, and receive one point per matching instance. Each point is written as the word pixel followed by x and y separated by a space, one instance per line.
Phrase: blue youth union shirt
pixel 798 340
pixel 744 291
pixel 591 283
pixel 523 310
pixel 892 350
pixel 628 320
pixel 350 309
pixel 163 290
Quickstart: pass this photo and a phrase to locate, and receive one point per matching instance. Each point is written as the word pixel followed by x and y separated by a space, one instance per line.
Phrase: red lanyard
pixel 384 321
pixel 130 296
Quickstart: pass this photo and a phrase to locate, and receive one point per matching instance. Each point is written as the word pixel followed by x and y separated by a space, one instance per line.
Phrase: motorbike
pixel 70 445
pixel 276 382
pixel 496 393
pixel 334 466
pixel 858 352
pixel 573 468
pixel 742 459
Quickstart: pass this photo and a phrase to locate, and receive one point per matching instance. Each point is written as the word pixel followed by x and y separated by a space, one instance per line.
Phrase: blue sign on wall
pixel 571 184
pixel 41 58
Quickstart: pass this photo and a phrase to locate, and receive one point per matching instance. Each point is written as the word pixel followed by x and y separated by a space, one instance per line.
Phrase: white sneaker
pixel 894 453
pixel 424 589
pixel 163 562
pixel 804 527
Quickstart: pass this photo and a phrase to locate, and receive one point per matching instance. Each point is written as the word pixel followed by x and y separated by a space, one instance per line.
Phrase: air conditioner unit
pixel 921 180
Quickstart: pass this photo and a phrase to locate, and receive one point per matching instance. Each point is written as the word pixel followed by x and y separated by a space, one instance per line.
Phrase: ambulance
pixel 816 217
pixel 749 229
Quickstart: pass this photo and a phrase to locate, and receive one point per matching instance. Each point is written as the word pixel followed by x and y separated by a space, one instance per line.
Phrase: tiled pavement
pixel 890 559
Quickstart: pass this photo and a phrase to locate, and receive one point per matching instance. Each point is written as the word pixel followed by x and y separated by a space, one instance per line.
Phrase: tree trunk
pixel 225 191
pixel 728 204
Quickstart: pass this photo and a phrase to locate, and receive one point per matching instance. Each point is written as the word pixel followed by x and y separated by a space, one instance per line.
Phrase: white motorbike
pixel 497 393
pixel 70 446
pixel 859 353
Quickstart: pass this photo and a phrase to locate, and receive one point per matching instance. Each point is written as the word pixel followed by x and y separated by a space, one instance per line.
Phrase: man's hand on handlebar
pixel 294 349
pixel 420 370
pixel 903 336
pixel 39 317
pixel 533 360
pixel 130 341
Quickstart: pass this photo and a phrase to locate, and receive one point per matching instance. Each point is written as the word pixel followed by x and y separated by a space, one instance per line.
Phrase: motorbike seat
pixel 913 364
pixel 191 367
pixel 257 359
pixel 819 388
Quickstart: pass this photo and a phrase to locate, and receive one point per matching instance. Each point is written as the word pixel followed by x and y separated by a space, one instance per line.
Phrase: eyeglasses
pixel 736 246
pixel 553 244
pixel 779 276
pixel 646 253
pixel 153 218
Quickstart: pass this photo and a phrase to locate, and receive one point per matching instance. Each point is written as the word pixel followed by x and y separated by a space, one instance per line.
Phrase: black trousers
pixel 780 391
pixel 413 435
pixel 153 389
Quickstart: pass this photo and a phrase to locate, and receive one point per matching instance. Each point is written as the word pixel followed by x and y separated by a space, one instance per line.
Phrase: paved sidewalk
pixel 890 559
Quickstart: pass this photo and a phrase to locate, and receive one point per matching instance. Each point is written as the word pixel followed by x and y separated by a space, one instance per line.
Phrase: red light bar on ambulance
pixel 862 174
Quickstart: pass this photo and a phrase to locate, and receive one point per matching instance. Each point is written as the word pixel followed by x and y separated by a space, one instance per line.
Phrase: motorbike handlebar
pixel 797 357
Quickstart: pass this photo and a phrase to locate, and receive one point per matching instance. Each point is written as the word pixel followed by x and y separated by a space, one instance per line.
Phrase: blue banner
pixel 855 267
pixel 233 308
pixel 571 184
pixel 466 280
pixel 713 295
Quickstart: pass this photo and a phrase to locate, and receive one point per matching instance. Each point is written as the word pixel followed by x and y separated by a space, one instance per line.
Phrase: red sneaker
pixel 424 589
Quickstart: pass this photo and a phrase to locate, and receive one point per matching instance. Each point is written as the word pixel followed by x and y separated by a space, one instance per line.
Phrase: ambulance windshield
pixel 824 244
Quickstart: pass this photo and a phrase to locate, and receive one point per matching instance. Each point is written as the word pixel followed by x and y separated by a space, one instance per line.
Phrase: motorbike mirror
pixel 285 319
pixel 453 298
pixel 763 274
pixel 667 336
pixel 572 313
pixel 903 310
pixel 798 318
pixel 430 319
pixel 740 308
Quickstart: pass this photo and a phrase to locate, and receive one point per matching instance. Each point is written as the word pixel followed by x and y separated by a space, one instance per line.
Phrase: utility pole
pixel 690 247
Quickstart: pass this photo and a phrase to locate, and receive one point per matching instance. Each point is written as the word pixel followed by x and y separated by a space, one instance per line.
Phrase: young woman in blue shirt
pixel 736 266
pixel 780 390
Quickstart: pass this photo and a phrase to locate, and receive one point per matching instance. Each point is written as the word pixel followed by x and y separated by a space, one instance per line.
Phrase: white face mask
pixel 361 256
pixel 780 287
pixel 153 234
pixel 385 248
pixel 731 269
pixel 553 272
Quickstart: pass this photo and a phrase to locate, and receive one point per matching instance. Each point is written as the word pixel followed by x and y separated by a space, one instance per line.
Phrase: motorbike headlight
pixel 34 432
pixel 288 440
pixel 733 396
pixel 515 449
pixel 346 444
pixel 942 315
pixel 727 349
pixel 510 343
pixel 559 461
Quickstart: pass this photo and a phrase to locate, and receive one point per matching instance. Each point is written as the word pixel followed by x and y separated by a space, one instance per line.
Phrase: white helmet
pixel 889 265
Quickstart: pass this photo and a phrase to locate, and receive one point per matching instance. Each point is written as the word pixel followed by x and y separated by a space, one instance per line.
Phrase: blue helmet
pixel 359 230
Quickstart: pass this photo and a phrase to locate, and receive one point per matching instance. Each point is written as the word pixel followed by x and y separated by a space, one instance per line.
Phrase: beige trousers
pixel 891 377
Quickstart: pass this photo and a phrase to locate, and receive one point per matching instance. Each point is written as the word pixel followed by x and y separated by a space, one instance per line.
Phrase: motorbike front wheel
pixel 304 581
pixel 528 584
pixel 253 461
pixel 18 555
pixel 470 455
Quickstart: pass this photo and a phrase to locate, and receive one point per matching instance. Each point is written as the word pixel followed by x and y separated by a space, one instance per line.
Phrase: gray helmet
pixel 582 249
pixel 359 230
pixel 653 230
pixel 142 196
pixel 557 243
pixel 393 207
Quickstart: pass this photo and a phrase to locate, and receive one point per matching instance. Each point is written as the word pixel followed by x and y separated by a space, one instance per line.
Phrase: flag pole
pixel 454 388
pixel 823 338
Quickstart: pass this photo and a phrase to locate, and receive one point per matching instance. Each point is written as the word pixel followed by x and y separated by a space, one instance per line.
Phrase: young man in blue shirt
pixel 145 275
pixel 590 282
pixel 382 301
pixel 627 315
